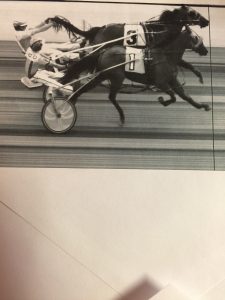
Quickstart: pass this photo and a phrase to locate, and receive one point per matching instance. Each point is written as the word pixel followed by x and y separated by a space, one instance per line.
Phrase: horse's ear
pixel 183 6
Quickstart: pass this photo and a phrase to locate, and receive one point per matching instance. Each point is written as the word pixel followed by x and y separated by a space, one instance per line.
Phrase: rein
pixel 172 23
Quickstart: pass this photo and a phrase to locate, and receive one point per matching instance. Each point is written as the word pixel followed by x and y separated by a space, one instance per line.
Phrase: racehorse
pixel 168 27
pixel 163 70
pixel 158 33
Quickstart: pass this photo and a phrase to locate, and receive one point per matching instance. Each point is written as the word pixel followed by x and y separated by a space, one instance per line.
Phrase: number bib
pixel 32 55
pixel 134 60
pixel 138 37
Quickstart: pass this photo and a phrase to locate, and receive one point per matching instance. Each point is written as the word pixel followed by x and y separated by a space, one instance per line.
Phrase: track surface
pixel 154 137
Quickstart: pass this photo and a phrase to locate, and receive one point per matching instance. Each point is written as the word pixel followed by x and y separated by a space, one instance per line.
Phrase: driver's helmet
pixel 19 25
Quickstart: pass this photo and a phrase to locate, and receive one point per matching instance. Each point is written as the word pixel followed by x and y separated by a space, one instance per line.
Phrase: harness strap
pixel 146 34
pixel 97 74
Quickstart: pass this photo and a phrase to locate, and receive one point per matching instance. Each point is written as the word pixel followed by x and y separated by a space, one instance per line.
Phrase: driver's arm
pixel 42 28
pixel 30 32
pixel 39 25
pixel 54 64
pixel 48 62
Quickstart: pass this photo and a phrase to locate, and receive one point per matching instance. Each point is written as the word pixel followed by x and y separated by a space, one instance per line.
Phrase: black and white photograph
pixel 112 121
pixel 83 86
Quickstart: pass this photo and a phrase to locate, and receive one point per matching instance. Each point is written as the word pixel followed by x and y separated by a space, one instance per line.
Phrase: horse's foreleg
pixel 178 89
pixel 188 66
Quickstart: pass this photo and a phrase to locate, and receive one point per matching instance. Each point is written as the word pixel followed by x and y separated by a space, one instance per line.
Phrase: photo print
pixel 83 86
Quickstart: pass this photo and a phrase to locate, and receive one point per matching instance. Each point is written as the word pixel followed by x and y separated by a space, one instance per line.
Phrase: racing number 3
pixel 133 39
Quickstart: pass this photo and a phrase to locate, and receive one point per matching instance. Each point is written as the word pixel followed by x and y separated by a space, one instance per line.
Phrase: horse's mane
pixel 168 16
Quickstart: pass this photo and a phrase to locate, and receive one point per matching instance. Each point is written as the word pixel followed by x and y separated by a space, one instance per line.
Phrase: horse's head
pixel 195 42
pixel 192 17
pixel 174 20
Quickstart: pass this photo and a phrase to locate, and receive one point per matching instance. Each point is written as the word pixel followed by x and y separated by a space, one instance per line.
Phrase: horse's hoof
pixel 200 77
pixel 122 121
pixel 161 100
pixel 207 108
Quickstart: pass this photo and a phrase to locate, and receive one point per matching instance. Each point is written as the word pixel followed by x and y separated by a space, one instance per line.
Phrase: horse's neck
pixel 162 35
pixel 175 49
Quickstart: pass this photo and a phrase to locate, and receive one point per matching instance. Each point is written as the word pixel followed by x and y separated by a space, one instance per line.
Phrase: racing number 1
pixel 133 39
pixel 132 63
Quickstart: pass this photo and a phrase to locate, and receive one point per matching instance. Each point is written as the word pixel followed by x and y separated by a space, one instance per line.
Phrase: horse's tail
pixel 61 22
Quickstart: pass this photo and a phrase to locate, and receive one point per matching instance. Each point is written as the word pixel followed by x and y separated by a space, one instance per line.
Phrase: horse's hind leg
pixel 116 83
pixel 178 89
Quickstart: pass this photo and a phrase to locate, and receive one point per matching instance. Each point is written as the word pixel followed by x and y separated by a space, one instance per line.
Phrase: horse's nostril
pixel 205 23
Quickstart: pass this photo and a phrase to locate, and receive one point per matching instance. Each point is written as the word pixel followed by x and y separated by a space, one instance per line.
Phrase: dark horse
pixel 163 70
pixel 168 27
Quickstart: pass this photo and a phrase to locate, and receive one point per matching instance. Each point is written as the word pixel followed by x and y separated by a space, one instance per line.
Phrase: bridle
pixel 200 41
pixel 199 38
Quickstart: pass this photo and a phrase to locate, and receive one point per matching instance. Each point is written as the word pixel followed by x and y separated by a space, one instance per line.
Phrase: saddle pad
pixel 138 39
pixel 136 66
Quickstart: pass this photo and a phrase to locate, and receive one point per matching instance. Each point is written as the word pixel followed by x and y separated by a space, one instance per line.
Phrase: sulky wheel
pixel 59 116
